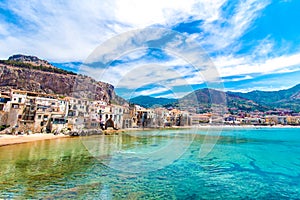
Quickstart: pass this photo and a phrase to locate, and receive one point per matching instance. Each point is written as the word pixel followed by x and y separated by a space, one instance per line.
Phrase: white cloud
pixel 264 48
pixel 134 55
pixel 3 30
pixel 139 13
pixel 174 95
pixel 152 91
pixel 71 65
pixel 247 77
pixel 226 31
pixel 124 44
pixel 228 61
pixel 133 73
pixel 70 30
pixel 181 81
pixel 266 87
pixel 235 65
pixel 60 30
pixel 149 74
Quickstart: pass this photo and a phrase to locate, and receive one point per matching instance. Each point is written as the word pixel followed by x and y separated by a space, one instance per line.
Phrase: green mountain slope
pixel 202 100
pixel 149 102
pixel 287 99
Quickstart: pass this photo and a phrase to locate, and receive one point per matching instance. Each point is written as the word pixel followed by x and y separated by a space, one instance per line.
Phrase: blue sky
pixel 252 44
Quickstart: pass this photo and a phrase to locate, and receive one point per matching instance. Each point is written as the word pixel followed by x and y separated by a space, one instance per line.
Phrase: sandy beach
pixel 18 139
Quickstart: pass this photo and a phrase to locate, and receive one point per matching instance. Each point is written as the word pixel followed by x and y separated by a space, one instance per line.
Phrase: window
pixel 20 100
pixel 81 114
pixel 39 116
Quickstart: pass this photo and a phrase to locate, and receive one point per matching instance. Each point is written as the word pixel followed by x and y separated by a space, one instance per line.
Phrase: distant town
pixel 25 112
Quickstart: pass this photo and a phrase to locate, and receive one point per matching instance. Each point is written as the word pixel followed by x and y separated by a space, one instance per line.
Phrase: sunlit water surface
pixel 238 164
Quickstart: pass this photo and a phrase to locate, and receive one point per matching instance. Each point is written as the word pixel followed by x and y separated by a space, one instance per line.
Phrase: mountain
pixel 33 74
pixel 32 60
pixel 202 100
pixel 205 99
pixel 149 102
pixel 272 96
pixel 288 99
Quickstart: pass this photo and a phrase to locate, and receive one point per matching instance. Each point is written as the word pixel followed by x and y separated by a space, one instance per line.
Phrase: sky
pixel 161 48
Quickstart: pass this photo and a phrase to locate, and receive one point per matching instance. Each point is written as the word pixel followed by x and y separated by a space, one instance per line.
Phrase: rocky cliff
pixel 32 74
pixel 33 60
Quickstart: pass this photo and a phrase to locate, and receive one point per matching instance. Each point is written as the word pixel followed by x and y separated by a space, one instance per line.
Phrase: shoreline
pixel 19 139
pixel 6 140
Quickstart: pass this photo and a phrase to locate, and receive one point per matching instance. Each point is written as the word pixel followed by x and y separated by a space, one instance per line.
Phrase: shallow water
pixel 174 164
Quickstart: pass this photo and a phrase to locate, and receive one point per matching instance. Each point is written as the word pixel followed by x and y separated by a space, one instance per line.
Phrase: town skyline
pixel 38 97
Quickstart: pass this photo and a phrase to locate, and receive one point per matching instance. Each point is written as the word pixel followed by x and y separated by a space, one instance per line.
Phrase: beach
pixel 18 139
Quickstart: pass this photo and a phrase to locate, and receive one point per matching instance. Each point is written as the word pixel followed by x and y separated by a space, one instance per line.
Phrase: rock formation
pixel 32 74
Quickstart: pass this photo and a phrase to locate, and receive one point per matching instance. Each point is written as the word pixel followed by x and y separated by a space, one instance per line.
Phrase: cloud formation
pixel 239 37
pixel 70 30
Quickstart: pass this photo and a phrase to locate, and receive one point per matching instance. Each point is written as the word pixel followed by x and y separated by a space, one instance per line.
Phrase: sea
pixel 198 163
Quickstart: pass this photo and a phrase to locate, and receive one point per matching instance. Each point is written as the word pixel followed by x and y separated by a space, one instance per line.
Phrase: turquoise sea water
pixel 172 164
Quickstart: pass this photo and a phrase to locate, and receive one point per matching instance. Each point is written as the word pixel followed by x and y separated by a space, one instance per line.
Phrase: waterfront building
pixel 25 111
pixel 128 116
pixel 4 98
pixel 196 119
pixel 293 120
pixel 271 120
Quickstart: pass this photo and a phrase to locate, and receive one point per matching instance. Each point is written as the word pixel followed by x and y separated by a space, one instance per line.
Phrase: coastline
pixel 19 139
